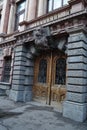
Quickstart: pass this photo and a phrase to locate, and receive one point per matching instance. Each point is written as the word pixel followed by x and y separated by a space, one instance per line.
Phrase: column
pixel 11 22
pixel 42 7
pixel 31 9
pixel 5 16
pixel 75 106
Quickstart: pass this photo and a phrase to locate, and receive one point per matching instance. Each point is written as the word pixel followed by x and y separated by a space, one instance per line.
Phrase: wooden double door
pixel 50 77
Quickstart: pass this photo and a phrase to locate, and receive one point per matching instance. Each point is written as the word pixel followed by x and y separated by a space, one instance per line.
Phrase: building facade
pixel 43 53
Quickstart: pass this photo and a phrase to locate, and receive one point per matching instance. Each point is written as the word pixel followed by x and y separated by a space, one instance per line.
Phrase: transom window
pixel 54 4
pixel 20 13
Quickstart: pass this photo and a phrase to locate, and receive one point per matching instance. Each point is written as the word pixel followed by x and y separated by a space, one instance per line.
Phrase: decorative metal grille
pixel 7 68
pixel 42 71
pixel 60 76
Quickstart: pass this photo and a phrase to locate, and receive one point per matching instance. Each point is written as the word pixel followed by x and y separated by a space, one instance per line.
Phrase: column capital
pixel 78 29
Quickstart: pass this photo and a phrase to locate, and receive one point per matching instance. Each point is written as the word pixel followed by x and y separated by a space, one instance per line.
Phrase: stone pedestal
pixel 75 111
pixel 75 106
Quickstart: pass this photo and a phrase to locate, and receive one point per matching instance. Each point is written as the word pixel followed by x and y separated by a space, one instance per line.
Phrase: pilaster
pixel 22 81
pixel 42 7
pixel 75 106
pixel 17 90
pixel 31 9
pixel 11 22
pixel 5 16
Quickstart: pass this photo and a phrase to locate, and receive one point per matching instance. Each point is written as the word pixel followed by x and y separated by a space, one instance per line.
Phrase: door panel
pixel 50 77
pixel 41 78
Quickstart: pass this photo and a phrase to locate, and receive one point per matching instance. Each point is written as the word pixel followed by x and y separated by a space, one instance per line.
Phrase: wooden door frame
pixel 50 77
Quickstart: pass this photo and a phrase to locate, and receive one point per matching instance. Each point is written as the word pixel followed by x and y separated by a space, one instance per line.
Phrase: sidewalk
pixel 33 116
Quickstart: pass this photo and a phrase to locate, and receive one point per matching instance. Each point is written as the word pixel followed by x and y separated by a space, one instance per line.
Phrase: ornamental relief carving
pixel 40 38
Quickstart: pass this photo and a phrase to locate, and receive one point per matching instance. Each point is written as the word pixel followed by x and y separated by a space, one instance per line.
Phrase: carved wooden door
pixel 50 77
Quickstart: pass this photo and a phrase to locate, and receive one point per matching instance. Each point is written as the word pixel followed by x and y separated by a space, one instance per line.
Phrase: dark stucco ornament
pixel 43 40
pixel 40 37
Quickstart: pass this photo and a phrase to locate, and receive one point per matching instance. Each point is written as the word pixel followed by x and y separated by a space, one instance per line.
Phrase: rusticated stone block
pixel 18 87
pixel 18 72
pixel 77 88
pixel 77 59
pixel 78 81
pixel 19 58
pixel 29 63
pixel 77 73
pixel 28 80
pixel 18 81
pixel 16 95
pixel 22 96
pixel 77 97
pixel 20 54
pixel 76 37
pixel 27 96
pixel 21 63
pixel 76 45
pixel 18 77
pixel 77 66
pixel 78 51
pixel 29 71
pixel 19 68
pixel 75 111
pixel 20 49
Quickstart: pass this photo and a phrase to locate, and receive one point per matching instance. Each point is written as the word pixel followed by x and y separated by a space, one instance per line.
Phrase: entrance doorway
pixel 50 78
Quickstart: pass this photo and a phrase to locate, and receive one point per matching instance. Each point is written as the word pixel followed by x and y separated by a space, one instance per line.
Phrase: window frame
pixel 18 14
pixel 4 74
pixel 52 7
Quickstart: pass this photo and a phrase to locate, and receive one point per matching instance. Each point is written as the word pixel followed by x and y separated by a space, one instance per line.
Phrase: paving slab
pixel 34 116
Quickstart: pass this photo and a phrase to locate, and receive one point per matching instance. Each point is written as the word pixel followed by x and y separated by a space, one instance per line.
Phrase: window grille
pixel 7 69
pixel 60 75
pixel 42 75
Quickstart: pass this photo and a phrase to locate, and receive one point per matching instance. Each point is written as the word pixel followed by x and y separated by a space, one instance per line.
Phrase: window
pixel 60 75
pixel 0 19
pixel 42 71
pixel 7 69
pixel 54 4
pixel 20 13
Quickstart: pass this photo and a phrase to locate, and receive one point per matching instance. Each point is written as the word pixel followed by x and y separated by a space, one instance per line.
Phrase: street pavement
pixel 34 116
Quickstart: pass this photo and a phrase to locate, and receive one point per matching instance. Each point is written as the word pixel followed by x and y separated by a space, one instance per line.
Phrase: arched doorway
pixel 50 77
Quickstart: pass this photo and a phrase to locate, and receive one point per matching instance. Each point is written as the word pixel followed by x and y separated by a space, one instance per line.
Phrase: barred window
pixel 7 69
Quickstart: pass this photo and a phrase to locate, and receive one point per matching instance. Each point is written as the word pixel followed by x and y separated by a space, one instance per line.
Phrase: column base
pixel 75 111
pixel 21 96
